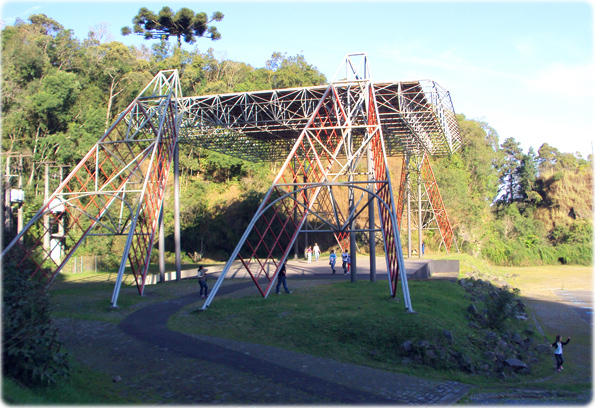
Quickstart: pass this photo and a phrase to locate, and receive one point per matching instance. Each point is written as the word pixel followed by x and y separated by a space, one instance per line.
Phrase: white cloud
pixel 563 81
pixel 533 131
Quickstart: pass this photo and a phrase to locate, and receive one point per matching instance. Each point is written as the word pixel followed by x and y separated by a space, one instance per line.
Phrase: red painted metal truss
pixel 328 162
pixel 116 189
pixel 433 211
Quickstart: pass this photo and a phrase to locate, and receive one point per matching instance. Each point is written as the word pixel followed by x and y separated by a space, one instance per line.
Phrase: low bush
pixel 31 353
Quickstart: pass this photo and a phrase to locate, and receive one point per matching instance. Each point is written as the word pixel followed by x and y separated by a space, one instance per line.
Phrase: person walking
pixel 202 280
pixel 316 252
pixel 348 262
pixel 557 345
pixel 309 252
pixel 344 257
pixel 282 279
pixel 332 260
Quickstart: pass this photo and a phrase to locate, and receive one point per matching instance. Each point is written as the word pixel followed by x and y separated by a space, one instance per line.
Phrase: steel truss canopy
pixel 325 136
pixel 417 117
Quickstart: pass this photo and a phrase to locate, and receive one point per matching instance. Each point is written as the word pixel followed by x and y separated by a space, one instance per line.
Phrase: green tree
pixel 294 72
pixel 183 24
pixel 509 171
pixel 527 173
pixel 472 181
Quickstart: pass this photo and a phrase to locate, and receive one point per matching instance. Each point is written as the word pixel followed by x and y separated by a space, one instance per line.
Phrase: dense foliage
pixel 514 208
pixel 30 350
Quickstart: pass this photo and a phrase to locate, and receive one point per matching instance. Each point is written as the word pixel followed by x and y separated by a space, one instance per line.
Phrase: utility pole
pixel 46 217
pixel 20 222
pixel 7 204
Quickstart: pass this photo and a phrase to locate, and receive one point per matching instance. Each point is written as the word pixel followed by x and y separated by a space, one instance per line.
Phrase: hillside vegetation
pixel 59 94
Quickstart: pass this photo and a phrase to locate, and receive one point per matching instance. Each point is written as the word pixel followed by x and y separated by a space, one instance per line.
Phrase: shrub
pixel 31 353
pixel 501 306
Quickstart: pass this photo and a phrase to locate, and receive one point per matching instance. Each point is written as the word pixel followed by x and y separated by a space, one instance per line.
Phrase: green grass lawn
pixel 357 323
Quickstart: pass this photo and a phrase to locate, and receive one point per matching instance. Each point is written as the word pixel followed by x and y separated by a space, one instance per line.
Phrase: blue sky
pixel 525 68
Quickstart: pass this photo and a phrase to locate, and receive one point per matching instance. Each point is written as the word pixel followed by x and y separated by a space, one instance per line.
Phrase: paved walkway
pixel 306 379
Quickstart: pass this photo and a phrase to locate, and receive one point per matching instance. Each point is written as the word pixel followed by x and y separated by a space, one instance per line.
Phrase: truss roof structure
pixel 417 117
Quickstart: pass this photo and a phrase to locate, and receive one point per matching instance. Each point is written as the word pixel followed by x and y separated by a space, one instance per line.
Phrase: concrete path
pixel 317 380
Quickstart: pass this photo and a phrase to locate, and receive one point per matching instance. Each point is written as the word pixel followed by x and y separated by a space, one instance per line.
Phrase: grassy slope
pixel 361 317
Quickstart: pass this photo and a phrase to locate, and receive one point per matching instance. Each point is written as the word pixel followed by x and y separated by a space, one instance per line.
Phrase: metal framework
pixel 116 189
pixel 415 117
pixel 419 194
pixel 342 133
pixel 330 138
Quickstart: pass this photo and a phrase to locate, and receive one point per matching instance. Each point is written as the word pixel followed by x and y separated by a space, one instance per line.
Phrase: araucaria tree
pixel 183 24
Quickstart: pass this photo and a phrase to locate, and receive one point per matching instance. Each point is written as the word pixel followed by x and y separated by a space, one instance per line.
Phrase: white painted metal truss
pixel 416 117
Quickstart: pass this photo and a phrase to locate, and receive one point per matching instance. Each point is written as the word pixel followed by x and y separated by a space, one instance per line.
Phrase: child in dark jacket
pixel 557 345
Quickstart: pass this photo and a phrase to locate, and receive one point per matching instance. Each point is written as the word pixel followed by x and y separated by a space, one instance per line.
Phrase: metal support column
pixel 371 218
pixel 161 247
pixel 352 243
pixel 177 211
pixel 419 215
pixel 408 209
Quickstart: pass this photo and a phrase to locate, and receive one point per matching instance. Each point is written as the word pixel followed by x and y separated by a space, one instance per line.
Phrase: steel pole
pixel 20 222
pixel 46 217
pixel 177 211
pixel 371 221
pixel 161 246
pixel 408 177
pixel 419 217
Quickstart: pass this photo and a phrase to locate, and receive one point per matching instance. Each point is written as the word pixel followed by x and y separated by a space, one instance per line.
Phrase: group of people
pixel 282 276
pixel 345 258
pixel 315 250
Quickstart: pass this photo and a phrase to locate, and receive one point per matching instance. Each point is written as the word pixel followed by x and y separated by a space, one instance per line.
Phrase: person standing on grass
pixel 316 252
pixel 309 252
pixel 557 345
pixel 332 260
pixel 202 280
pixel 344 257
pixel 282 279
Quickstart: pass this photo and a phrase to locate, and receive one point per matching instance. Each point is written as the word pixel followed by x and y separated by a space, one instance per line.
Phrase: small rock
pixel 542 348
pixel 490 355
pixel 515 363
pixel 490 335
pixel 516 338
pixel 422 344
pixel 408 345
pixel 472 310
pixel 117 378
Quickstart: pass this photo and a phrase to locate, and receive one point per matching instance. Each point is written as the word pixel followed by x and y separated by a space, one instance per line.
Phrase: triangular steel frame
pixel 116 189
pixel 343 128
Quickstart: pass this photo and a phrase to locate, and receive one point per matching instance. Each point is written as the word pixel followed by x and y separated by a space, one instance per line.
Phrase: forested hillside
pixel 59 95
